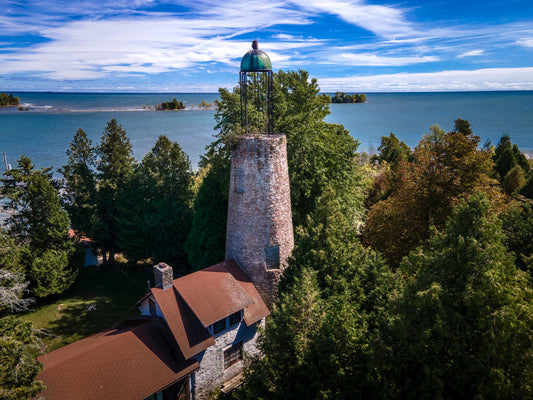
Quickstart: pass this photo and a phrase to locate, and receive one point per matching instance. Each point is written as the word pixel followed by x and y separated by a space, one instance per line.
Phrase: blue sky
pixel 196 45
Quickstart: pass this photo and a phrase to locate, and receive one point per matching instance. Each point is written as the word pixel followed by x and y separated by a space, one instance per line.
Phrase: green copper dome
pixel 255 60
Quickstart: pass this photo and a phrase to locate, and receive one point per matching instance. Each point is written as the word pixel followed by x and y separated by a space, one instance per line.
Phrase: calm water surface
pixel 44 131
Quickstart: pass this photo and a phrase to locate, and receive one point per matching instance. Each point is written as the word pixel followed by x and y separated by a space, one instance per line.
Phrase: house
pixel 189 341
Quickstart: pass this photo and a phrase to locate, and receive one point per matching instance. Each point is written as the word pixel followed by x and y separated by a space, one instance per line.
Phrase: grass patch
pixel 100 298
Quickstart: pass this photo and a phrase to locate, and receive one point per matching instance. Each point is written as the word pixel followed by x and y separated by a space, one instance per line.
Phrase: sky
pixel 196 45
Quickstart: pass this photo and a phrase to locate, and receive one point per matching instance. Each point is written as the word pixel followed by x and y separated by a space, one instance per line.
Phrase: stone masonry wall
pixel 259 230
pixel 212 375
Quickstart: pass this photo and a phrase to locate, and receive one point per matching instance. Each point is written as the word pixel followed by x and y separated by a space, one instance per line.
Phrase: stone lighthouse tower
pixel 259 230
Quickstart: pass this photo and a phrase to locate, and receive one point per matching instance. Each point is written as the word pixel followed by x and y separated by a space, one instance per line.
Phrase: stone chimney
pixel 259 231
pixel 163 276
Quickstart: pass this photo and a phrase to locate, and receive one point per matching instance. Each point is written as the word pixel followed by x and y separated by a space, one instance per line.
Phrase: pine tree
pixel 156 211
pixel 80 181
pixel 39 224
pixel 18 366
pixel 464 323
pixel 115 167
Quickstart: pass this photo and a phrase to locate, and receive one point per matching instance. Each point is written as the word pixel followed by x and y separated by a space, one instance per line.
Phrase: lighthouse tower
pixel 259 229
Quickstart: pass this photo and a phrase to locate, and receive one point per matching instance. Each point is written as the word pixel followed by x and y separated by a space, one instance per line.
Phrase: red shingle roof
pixel 129 362
pixel 258 309
pixel 213 293
pixel 190 335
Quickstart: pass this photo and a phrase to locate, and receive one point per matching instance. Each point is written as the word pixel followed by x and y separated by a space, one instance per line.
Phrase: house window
pixel 219 326
pixel 233 355
pixel 235 318
pixel 272 257
pixel 151 306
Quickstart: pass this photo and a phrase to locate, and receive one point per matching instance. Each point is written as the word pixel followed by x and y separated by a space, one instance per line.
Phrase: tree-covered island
pixel 341 97
pixel 8 100
pixel 171 105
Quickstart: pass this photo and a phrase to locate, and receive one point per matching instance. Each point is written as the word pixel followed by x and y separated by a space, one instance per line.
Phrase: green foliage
pixel 206 242
pixel 79 197
pixel 514 180
pixel 115 168
pixel 341 97
pixel 323 336
pixel 392 150
pixel 527 189
pixel 18 366
pixel 156 206
pixel 507 156
pixel 171 105
pixel 11 254
pixel 444 169
pixel 463 326
pixel 518 230
pixel 39 226
pixel 286 369
pixel 8 100
pixel 205 104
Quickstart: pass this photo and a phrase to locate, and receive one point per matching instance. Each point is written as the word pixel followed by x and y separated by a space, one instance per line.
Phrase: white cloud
pixel 525 42
pixel 92 49
pixel 472 53
pixel 481 79
pixel 385 21
pixel 377 60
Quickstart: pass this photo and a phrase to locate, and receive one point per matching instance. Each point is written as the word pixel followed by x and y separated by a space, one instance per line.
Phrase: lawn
pixel 101 297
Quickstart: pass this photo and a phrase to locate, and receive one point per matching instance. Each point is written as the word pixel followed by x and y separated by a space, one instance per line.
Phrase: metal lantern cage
pixel 255 80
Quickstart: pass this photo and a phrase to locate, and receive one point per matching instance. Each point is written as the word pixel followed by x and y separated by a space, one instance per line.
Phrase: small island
pixel 341 97
pixel 170 105
pixel 7 100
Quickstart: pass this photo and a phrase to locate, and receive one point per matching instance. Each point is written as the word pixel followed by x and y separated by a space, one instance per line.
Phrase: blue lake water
pixel 44 131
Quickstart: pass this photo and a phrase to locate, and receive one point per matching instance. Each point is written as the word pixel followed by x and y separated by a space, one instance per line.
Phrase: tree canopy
pixel 40 227
pixel 156 205
pixel 464 322
pixel 115 167
pixel 444 169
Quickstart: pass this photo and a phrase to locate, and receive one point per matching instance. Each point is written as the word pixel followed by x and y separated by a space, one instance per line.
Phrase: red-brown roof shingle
pixel 129 362
pixel 191 337
pixel 213 293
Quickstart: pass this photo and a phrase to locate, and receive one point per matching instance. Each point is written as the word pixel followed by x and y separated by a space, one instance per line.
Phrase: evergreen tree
pixel 392 150
pixel 206 243
pixel 323 337
pixel 18 366
pixel 115 168
pixel 40 226
pixel 156 211
pixel 507 156
pixel 286 370
pixel 464 323
pixel 80 195
pixel 518 230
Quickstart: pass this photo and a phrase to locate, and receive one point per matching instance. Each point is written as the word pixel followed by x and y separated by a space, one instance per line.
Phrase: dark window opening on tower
pixel 272 257
pixel 239 180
